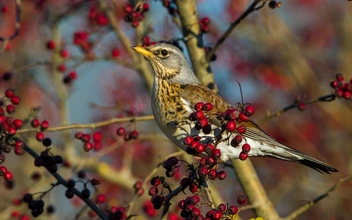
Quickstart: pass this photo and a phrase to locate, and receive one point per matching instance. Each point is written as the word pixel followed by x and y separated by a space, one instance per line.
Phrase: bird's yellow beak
pixel 142 51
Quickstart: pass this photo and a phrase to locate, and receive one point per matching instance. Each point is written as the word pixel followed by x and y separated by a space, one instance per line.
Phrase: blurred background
pixel 277 55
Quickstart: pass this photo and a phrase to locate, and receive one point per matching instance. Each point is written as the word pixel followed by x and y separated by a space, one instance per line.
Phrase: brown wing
pixel 193 94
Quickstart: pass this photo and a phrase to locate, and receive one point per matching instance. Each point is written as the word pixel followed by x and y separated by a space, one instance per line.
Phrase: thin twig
pixel 91 126
pixel 305 207
pixel 325 98
pixel 253 7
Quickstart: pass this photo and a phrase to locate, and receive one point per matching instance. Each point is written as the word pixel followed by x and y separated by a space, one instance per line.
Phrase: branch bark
pixel 193 38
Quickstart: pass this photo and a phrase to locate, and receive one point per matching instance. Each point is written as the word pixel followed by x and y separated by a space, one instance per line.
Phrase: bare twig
pixel 325 98
pixel 305 207
pixel 253 7
pixel 91 126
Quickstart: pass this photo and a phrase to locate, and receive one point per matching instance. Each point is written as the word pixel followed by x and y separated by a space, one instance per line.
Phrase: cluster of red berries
pixel 135 14
pixel 207 50
pixel 40 136
pixel 86 139
pixel 81 39
pixel 97 17
pixel 158 199
pixel 147 42
pixel 127 135
pixel 36 206
pixel 342 89
pixel 48 160
pixel 138 188
pixel 274 4
pixel 230 120
pixel 200 117
pixel 204 24
pixel 171 7
pixel 170 166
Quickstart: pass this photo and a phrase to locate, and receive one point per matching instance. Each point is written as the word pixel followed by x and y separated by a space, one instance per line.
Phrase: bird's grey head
pixel 169 63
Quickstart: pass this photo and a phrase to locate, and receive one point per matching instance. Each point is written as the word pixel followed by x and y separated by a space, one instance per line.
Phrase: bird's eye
pixel 164 53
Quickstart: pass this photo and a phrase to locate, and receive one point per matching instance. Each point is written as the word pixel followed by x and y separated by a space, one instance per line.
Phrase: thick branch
pixel 254 189
pixel 193 39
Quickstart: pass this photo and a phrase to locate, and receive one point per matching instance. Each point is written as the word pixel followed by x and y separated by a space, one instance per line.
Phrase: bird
pixel 175 95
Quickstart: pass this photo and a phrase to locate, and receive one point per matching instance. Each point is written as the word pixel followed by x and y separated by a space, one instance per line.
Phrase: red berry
pixel 72 75
pixel 216 153
pixel 155 181
pixel 339 92
pixel 44 125
pixel 222 207
pixel 208 106
pixel 87 146
pixel 233 210
pixel 199 114
pixel 231 126
pixel 100 198
pixel 153 191
pixel 8 176
pixel 11 130
pixel 202 122
pixel 97 136
pixel 145 7
pixel 135 24
pixel 301 106
pixel 221 175
pixel 128 8
pixel 61 67
pixel 199 106
pixel 230 114
pixel 334 84
pixel 217 215
pixel 249 110
pixel 181 204
pixel 15 100
pixel 236 140
pixel 339 77
pixel 3 170
pixel 9 93
pixel 246 148
pixel 211 161
pixel 205 21
pixel 18 123
pixel 193 187
pixel 40 136
pixel 212 174
pixel 18 144
pixel 35 123
pixel 243 156
pixel 347 94
pixel 64 53
pixel 188 140
pixel 10 109
pixel 241 129
pixel 121 131
pixel 203 171
pixel 241 200
pixel 134 135
pixel 243 117
pixel 115 52
pixel 50 45
pixel 199 148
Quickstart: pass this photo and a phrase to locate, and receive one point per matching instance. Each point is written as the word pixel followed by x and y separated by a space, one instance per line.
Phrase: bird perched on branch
pixel 195 118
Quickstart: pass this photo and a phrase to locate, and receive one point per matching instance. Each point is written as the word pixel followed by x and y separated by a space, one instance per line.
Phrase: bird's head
pixel 168 63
